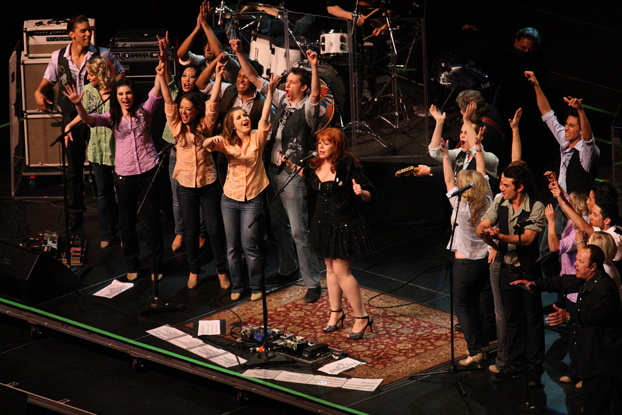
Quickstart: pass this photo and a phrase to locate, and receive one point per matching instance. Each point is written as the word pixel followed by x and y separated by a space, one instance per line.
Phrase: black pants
pixel 76 156
pixel 130 190
pixel 597 393
pixel 514 300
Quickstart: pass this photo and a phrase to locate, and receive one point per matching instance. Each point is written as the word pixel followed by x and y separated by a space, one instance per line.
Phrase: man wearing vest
pixel 518 213
pixel 291 136
pixel 604 215
pixel 68 66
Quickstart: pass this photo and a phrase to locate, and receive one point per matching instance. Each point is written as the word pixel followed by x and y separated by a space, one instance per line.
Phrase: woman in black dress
pixel 336 182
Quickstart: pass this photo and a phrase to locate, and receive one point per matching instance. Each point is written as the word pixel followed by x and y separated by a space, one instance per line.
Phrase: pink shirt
pixel 135 152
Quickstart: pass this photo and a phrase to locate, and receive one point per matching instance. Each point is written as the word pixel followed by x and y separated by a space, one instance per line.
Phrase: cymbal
pixel 266 8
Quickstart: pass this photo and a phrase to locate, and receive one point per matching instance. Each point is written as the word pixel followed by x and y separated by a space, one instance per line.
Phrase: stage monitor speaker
pixel 30 277
pixel 39 132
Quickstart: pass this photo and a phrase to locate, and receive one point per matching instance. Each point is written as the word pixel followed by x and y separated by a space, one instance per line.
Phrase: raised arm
pixel 166 92
pixel 467 118
pixel 314 96
pixel 543 102
pixel 480 162
pixel 571 214
pixel 344 14
pixel 438 129
pixel 448 171
pixel 213 41
pixel 586 128
pixel 517 148
pixel 72 95
pixel 182 52
pixel 264 122
pixel 204 78
pixel 248 69
pixel 551 234
pixel 215 95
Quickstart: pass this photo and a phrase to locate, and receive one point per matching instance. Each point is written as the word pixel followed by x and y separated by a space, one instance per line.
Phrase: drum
pixel 278 62
pixel 333 44
pixel 260 52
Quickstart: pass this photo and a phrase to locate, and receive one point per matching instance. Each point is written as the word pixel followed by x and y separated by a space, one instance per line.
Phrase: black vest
pixel 226 103
pixel 577 179
pixel 461 159
pixel 296 137
pixel 528 254
pixel 618 264
pixel 67 108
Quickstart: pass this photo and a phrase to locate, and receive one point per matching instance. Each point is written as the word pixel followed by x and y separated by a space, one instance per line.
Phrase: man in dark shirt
pixel 597 325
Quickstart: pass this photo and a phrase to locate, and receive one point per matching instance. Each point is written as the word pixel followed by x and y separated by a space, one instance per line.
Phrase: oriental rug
pixel 406 340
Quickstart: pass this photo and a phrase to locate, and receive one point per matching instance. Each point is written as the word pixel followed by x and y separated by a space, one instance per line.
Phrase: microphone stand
pixel 155 303
pixel 268 357
pixel 452 368
pixel 528 407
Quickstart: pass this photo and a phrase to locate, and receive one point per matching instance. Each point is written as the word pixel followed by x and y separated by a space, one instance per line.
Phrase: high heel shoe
pixel 193 279
pixel 360 334
pixel 330 329
pixel 225 283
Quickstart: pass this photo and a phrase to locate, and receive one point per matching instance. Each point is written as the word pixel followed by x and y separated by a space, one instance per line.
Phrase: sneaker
pixel 313 294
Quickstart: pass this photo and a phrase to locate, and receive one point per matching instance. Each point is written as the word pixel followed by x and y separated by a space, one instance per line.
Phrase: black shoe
pixel 504 375
pixel 458 327
pixel 313 294
pixel 75 222
pixel 533 378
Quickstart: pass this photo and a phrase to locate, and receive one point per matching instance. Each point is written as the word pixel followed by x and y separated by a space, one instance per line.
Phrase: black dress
pixel 338 230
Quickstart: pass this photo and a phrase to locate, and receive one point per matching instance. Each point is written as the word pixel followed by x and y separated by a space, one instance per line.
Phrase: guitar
pixel 407 171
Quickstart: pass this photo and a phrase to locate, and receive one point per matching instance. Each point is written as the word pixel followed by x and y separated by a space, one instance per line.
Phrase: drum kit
pixel 279 52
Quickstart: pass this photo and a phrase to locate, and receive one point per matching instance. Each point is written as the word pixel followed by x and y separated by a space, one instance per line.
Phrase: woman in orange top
pixel 191 122
pixel 241 201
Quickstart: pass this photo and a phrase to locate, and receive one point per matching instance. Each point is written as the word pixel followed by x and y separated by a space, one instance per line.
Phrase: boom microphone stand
pixel 155 303
pixel 269 357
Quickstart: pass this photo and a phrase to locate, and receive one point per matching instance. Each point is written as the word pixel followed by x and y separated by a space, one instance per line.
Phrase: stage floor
pixel 85 359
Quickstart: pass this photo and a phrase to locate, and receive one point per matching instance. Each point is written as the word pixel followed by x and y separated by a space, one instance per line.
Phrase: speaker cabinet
pixel 32 74
pixel 30 277
pixel 39 132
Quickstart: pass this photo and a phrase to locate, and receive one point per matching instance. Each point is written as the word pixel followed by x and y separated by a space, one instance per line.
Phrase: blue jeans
pixel 106 204
pixel 130 190
pixel 237 216
pixel 192 201
pixel 502 354
pixel 177 216
pixel 469 279
pixel 289 220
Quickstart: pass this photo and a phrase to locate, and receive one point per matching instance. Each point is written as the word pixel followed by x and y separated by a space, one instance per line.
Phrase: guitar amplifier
pixel 44 36
pixel 137 51
pixel 32 73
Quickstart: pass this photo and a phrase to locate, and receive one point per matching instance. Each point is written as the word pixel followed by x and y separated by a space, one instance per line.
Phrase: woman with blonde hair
pixel 605 242
pixel 101 145
pixel 470 264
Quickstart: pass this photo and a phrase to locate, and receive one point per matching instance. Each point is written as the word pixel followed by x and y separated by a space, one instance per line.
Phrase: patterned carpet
pixel 406 340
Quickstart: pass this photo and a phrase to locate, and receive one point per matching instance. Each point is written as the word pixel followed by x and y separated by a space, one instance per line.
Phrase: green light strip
pixel 599 110
pixel 180 357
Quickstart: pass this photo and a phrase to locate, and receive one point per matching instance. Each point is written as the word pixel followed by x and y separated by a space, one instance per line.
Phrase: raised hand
pixel 480 135
pixel 160 69
pixel 575 103
pixel 516 120
pixel 531 78
pixel 274 82
pixel 163 45
pixel 469 112
pixel 312 56
pixel 444 148
pixel 236 45
pixel 551 176
pixel 436 114
pixel 220 66
pixel 72 95
pixel 204 12
pixel 550 214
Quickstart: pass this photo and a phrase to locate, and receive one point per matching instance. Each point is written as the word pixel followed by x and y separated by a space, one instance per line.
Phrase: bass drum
pixel 260 51
pixel 332 93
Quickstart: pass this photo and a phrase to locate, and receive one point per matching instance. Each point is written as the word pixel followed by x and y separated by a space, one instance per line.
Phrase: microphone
pixel 167 148
pixel 312 155
pixel 463 189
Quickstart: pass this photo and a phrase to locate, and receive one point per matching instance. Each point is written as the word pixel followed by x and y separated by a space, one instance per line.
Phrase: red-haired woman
pixel 339 232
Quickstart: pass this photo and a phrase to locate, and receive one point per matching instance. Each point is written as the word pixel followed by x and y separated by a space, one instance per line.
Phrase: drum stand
pixel 396 93
pixel 355 125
